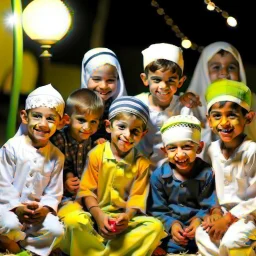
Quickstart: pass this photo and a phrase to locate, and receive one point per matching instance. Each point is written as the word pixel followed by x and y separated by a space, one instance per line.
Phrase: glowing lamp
pixel 231 21
pixel 186 43
pixel 46 21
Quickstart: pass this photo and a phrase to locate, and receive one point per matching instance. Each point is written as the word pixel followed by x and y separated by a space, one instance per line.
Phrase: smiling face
pixel 126 132
pixel 83 125
pixel 104 81
pixel 228 121
pixel 163 84
pixel 42 123
pixel 223 65
pixel 183 154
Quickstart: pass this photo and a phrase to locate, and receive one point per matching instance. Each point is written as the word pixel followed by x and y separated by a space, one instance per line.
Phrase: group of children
pixel 110 174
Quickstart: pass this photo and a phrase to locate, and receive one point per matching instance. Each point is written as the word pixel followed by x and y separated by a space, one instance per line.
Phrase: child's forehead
pixel 227 105
pixel 44 110
pixel 181 143
pixel 223 55
pixel 105 68
pixel 129 118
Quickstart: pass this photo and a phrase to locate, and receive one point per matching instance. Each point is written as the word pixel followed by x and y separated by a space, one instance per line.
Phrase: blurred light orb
pixel 46 21
pixel 210 6
pixel 10 20
pixel 186 43
pixel 231 21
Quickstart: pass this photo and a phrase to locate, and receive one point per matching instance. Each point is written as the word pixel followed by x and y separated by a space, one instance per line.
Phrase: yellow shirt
pixel 116 184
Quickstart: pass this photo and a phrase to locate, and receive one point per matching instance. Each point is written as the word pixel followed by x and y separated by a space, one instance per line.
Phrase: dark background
pixel 133 25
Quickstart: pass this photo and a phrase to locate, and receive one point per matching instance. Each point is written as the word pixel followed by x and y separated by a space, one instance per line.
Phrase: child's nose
pixel 127 133
pixel 224 121
pixel 163 85
pixel 43 122
pixel 224 73
pixel 180 153
pixel 86 126
pixel 103 85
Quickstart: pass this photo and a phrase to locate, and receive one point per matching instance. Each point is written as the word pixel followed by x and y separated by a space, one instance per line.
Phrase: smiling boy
pixel 233 159
pixel 182 190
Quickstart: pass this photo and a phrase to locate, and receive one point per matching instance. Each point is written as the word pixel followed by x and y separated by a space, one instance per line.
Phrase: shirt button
pixel 181 185
pixel 31 174
pixel 27 185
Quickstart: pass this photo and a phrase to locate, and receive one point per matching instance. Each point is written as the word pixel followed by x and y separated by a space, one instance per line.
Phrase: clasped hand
pixel 31 213
pixel 105 228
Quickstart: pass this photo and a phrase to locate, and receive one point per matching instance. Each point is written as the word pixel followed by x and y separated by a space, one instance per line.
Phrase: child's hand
pixel 190 231
pixel 104 228
pixel 209 220
pixel 24 212
pixel 218 228
pixel 122 222
pixel 39 215
pixel 177 234
pixel 72 184
pixel 190 100
pixel 100 141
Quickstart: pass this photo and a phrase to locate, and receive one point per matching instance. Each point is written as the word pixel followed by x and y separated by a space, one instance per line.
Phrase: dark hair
pixel 84 100
pixel 120 116
pixel 164 65
pixel 233 105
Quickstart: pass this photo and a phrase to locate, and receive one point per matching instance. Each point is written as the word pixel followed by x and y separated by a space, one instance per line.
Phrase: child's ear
pixel 163 149
pixel 209 121
pixel 24 116
pixel 181 81
pixel 107 125
pixel 200 147
pixel 249 117
pixel 64 120
pixel 144 133
pixel 144 79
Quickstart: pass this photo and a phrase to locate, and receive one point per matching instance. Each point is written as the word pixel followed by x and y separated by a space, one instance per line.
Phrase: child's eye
pixel 232 115
pixel 36 115
pixel 233 68
pixel 155 80
pixel 111 81
pixel 216 116
pixel 216 67
pixel 95 79
pixel 81 120
pixel 94 122
pixel 51 119
pixel 170 148
pixel 136 132
pixel 121 127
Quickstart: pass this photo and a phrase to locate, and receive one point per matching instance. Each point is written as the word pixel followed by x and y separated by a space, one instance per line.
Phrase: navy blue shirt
pixel 173 200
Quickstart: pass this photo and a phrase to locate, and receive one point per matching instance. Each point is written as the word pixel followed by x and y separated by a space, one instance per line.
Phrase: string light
pixel 211 6
pixel 185 41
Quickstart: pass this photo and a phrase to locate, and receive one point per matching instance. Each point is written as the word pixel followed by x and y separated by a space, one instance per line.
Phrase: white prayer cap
pixel 181 128
pixel 163 51
pixel 45 96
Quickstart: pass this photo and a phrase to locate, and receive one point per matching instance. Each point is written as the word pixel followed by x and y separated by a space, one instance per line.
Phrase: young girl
pixel 217 61
pixel 101 72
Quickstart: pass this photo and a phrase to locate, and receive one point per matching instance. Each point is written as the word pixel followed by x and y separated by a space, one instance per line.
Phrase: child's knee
pixel 155 224
pixel 75 219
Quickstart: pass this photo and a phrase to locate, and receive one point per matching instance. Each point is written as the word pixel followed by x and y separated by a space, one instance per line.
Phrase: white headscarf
pixel 98 57
pixel 200 79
